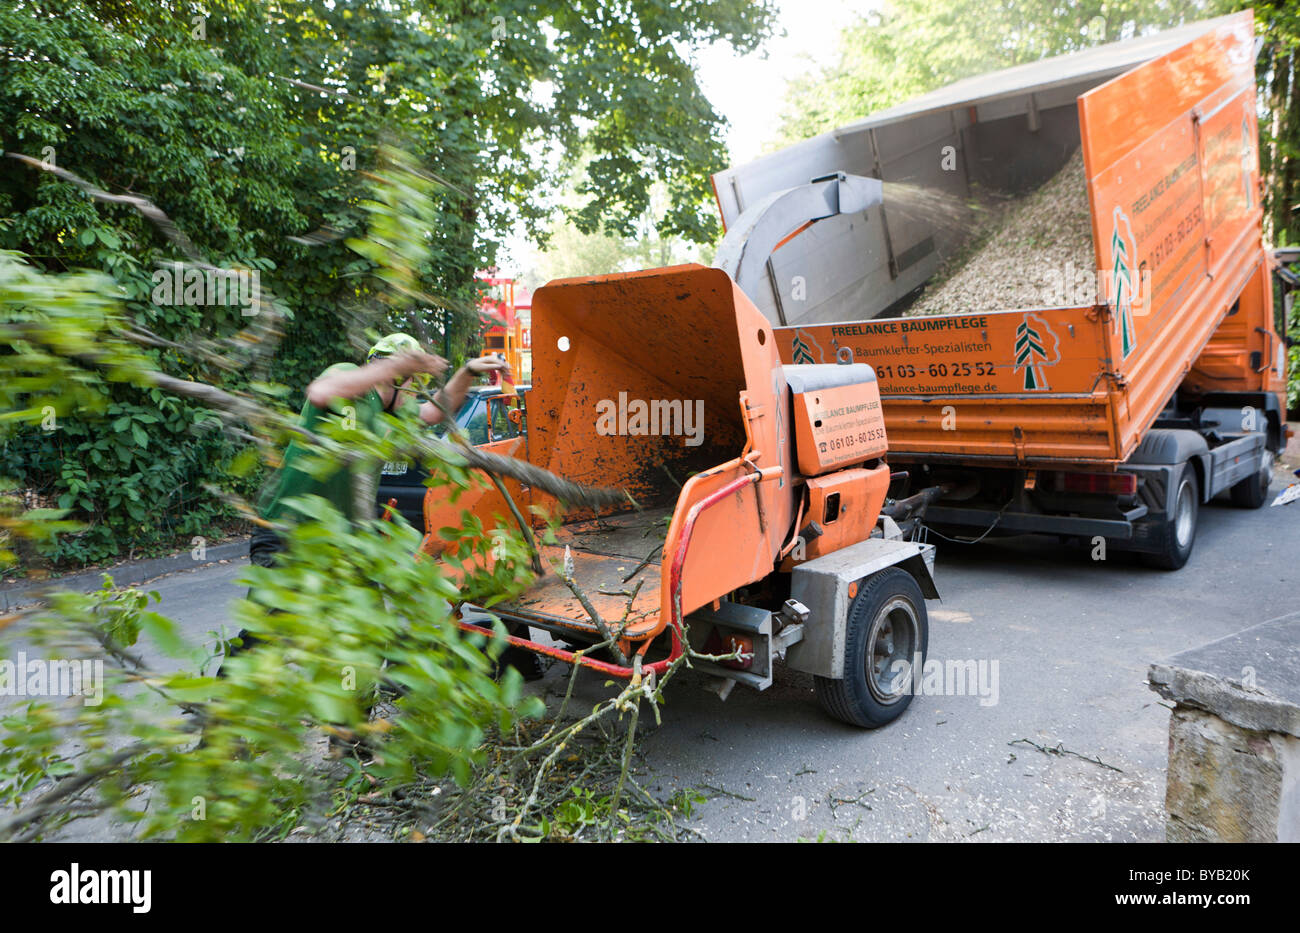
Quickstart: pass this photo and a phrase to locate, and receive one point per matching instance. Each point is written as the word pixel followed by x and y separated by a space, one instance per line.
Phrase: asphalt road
pixel 1072 639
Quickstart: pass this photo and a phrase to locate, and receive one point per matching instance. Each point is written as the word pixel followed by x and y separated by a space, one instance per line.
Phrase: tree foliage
pixel 569 251
pixel 253 125
pixel 347 607
pixel 1278 67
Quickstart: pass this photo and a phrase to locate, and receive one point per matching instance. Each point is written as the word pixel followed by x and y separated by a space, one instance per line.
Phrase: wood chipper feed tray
pixel 613 558
pixel 1031 252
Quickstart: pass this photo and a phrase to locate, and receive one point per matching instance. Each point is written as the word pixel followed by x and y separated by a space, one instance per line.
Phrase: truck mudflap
pixel 827 586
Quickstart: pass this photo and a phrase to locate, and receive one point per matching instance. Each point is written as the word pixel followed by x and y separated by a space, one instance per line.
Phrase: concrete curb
pixel 1254 710
pixel 1210 677
pixel 127 574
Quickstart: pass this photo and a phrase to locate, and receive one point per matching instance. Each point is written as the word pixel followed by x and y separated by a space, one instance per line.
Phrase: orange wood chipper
pixel 754 525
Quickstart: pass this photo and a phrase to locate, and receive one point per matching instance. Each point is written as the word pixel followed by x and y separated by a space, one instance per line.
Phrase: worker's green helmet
pixel 392 345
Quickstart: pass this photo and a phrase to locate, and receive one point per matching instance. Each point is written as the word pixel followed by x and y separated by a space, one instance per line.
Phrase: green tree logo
pixel 1122 252
pixel 801 349
pixel 1036 349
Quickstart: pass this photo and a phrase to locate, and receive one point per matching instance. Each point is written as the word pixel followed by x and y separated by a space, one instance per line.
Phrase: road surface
pixel 1071 638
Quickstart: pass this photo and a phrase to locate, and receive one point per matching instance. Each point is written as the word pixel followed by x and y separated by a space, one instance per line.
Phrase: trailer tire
pixel 1252 492
pixel 1177 533
pixel 886 622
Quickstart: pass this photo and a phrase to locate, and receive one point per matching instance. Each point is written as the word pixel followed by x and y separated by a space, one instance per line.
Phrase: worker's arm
pixel 452 395
pixel 379 374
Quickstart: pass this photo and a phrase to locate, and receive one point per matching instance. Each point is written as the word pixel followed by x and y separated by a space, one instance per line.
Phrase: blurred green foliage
pixel 346 609
pixel 355 612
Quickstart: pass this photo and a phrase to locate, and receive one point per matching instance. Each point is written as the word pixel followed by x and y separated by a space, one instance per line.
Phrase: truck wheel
pixel 1252 492
pixel 887 623
pixel 1177 533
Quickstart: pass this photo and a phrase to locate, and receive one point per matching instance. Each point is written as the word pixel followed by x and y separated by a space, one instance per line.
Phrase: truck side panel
pixel 1169 151
pixel 1024 386
pixel 1244 355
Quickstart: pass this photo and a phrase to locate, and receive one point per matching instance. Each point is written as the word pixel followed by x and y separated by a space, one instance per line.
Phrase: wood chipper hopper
pixel 754 520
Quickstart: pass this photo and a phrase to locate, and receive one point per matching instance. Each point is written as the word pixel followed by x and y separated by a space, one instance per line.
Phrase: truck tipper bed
pixel 1114 420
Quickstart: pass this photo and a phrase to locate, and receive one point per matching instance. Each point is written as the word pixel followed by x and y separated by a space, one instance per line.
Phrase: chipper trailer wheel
pixel 1252 492
pixel 887 624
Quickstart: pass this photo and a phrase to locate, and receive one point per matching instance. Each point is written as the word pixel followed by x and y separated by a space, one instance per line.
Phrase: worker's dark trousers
pixel 262 548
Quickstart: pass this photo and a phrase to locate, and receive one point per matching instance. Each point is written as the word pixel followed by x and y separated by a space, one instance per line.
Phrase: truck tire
pixel 1252 492
pixel 886 623
pixel 1177 533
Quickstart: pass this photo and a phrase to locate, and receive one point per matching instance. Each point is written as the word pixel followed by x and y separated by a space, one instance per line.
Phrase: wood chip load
pixel 1033 251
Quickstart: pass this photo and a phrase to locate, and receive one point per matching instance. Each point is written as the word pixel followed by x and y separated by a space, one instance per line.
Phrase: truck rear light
pixel 1111 484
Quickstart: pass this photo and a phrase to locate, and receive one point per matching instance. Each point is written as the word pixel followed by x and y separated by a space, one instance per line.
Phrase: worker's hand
pixel 412 362
pixel 490 364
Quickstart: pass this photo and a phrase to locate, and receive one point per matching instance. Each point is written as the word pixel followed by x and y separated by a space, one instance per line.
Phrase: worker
pixel 385 384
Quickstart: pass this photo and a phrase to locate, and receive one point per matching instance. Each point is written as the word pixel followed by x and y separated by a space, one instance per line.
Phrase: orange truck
pixel 754 527
pixel 1115 419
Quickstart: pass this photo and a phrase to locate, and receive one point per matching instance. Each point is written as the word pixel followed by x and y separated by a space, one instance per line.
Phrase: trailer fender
pixel 827 585
pixel 1162 451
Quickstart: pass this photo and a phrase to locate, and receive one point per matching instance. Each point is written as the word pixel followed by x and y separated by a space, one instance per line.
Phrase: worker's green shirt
pixel 291 480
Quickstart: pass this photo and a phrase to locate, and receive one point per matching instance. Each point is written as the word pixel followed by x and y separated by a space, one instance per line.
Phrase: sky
pixel 749 89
